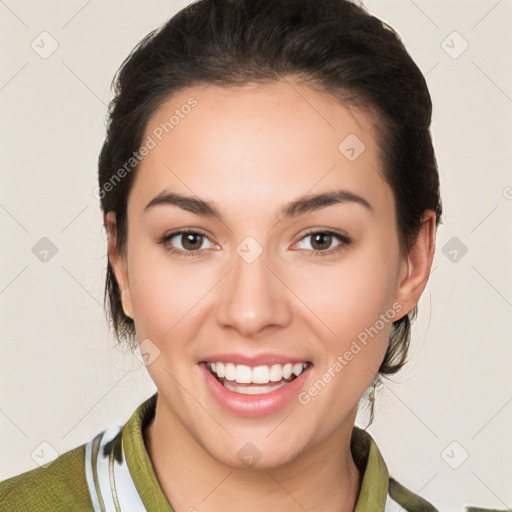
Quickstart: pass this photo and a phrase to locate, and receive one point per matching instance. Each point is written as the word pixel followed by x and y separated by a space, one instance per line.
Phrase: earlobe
pixel 418 264
pixel 125 300
pixel 118 263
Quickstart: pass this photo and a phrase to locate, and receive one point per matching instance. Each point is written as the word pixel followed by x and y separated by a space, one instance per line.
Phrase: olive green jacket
pixel 113 472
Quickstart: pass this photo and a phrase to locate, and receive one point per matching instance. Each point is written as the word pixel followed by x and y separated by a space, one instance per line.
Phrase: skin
pixel 250 150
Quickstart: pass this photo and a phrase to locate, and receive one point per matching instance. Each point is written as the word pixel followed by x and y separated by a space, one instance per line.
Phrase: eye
pixel 186 242
pixel 323 242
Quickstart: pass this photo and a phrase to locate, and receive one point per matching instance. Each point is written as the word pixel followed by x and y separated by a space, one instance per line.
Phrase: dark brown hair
pixel 331 45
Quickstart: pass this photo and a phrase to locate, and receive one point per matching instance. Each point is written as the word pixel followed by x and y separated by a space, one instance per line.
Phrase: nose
pixel 252 299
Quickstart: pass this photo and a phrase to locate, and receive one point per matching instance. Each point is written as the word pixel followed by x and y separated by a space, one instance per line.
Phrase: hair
pixel 333 46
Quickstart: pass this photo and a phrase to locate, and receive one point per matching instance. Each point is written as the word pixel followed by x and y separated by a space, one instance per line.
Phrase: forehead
pixel 258 143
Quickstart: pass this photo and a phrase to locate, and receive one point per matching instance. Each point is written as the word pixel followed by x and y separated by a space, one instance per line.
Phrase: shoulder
pixel 80 480
pixel 61 485
pixel 378 490
pixel 411 502
pixel 408 500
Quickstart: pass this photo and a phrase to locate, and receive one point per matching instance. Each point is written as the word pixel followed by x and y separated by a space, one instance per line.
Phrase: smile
pixel 254 390
pixel 263 374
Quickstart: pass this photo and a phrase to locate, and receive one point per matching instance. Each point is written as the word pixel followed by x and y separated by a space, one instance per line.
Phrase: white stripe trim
pixel 89 476
pixel 122 485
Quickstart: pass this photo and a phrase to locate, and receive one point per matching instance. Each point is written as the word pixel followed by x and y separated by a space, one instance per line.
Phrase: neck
pixel 324 477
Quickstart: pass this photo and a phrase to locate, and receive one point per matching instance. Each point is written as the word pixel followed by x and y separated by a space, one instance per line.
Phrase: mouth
pixel 256 380
pixel 254 385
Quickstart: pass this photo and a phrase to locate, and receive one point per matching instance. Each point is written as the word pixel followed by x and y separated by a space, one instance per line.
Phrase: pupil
pixel 322 237
pixel 190 239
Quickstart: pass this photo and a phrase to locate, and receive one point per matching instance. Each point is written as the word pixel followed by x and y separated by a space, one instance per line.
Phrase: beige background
pixel 62 377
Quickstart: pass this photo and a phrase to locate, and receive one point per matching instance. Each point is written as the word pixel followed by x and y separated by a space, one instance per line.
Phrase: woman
pixel 271 196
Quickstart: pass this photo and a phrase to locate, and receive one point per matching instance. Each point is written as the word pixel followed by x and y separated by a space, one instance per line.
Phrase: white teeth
pixel 287 370
pixel 219 369
pixel 297 369
pixel 260 375
pixel 230 371
pixel 263 374
pixel 276 373
pixel 252 390
pixel 243 374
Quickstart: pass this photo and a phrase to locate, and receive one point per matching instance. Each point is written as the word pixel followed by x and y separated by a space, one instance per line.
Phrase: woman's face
pixel 291 264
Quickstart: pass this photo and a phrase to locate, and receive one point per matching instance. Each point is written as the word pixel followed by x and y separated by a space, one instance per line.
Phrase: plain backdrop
pixel 443 424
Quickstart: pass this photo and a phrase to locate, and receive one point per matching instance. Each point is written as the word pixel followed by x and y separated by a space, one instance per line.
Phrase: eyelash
pixel 179 252
pixel 343 239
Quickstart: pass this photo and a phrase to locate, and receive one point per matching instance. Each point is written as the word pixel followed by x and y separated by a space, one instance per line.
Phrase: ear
pixel 416 267
pixel 118 263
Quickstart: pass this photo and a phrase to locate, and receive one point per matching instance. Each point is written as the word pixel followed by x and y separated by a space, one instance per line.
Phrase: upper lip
pixel 254 360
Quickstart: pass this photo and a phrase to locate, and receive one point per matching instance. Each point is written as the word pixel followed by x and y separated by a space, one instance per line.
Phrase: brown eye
pixel 321 241
pixel 186 242
pixel 191 241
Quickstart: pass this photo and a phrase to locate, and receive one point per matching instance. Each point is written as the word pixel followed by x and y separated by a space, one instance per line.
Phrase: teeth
pixel 252 390
pixel 243 374
pixel 287 370
pixel 263 374
pixel 276 373
pixel 230 369
pixel 219 369
pixel 298 368
pixel 260 375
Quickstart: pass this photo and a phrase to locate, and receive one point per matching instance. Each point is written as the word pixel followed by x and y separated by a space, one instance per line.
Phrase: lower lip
pixel 253 406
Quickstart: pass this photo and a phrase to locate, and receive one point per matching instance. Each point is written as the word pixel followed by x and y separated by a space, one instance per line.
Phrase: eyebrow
pixel 295 208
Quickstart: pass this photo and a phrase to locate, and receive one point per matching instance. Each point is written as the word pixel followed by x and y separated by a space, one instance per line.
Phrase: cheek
pixel 359 316
pixel 165 296
pixel 352 296
pixel 354 302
